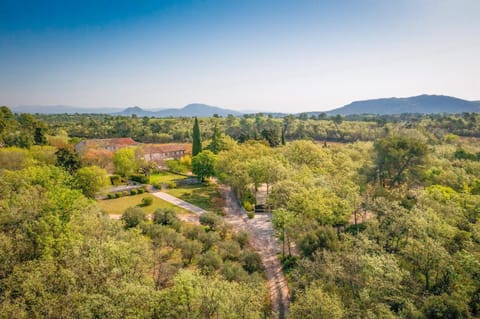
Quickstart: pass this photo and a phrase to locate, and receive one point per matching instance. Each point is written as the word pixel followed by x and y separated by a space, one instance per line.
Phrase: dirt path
pixel 263 240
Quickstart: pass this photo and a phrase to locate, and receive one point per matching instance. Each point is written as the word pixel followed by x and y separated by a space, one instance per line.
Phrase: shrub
pixel 126 193
pixel 154 170
pixel 249 197
pixel 233 271
pixel 250 215
pixel 288 262
pixel 252 262
pixel 210 262
pixel 322 238
pixel 141 190
pixel 316 303
pixel 241 237
pixel 190 248
pixel 461 154
pixel 212 220
pixel 133 192
pixel 475 190
pixel 133 216
pixel 139 178
pixel 229 250
pixel 147 201
pixel 444 306
pixel 208 239
pixel 354 229
pixel 172 184
pixel 116 180
pixel 110 196
pixel 248 206
pixel 118 194
pixel 176 166
pixel 166 217
pixel 193 231
pixel 187 161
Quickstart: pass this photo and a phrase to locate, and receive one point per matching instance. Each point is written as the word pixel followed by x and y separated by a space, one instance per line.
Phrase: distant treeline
pixel 259 126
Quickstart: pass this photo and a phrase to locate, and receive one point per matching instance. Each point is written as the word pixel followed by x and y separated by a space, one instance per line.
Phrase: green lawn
pixel 119 205
pixel 164 177
pixel 204 196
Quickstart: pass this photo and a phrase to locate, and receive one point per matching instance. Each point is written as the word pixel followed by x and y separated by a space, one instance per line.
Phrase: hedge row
pixel 126 193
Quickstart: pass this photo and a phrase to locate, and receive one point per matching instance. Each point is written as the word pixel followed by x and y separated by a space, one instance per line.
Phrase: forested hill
pixel 415 104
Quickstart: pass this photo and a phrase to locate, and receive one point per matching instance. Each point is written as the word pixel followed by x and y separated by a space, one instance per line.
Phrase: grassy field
pixel 164 177
pixel 204 196
pixel 119 205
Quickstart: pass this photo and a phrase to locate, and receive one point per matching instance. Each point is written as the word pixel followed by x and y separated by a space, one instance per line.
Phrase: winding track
pixel 262 240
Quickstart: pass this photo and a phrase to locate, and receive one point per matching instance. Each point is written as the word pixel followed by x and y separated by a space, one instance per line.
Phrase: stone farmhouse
pixel 158 153
pixel 108 144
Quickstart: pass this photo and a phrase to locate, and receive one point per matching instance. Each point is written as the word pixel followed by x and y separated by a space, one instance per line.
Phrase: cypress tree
pixel 283 136
pixel 197 142
pixel 214 145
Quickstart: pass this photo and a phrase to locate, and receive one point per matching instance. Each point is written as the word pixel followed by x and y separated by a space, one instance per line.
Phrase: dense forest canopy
pixel 378 217
pixel 259 126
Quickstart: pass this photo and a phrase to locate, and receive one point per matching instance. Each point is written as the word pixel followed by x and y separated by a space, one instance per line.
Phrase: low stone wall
pixel 187 181
pixel 123 188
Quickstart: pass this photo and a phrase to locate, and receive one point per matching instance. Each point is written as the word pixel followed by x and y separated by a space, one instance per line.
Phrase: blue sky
pixel 250 55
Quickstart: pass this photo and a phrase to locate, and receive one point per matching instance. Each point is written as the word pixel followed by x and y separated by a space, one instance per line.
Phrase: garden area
pixel 164 177
pixel 118 206
pixel 202 195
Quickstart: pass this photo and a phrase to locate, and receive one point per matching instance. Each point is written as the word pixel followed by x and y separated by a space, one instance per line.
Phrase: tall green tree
pixel 203 165
pixel 197 141
pixel 68 159
pixel 397 158
pixel 316 303
pixel 271 136
pixel 7 119
pixel 91 179
pixel 216 140
pixel 125 161
pixel 281 218
pixel 39 136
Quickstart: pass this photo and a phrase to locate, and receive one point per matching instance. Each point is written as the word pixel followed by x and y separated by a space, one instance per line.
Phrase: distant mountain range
pixel 64 109
pixel 196 109
pixel 415 104
pixel 200 110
